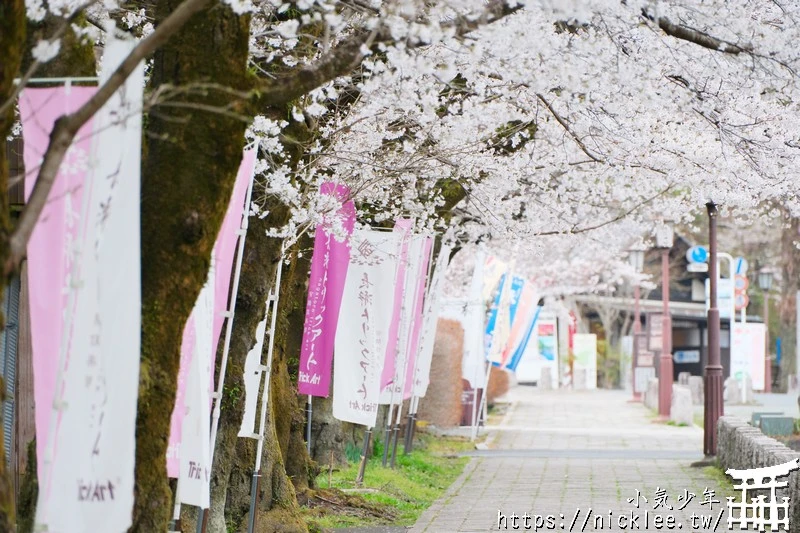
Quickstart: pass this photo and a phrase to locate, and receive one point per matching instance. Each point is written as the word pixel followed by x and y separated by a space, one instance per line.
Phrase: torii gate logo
pixel 758 511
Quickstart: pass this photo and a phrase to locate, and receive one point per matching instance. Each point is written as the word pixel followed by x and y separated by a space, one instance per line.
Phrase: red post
pixel 713 408
pixel 637 329
pixel 665 368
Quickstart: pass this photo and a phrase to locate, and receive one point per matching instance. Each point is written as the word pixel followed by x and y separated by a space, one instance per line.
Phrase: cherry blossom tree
pixel 562 130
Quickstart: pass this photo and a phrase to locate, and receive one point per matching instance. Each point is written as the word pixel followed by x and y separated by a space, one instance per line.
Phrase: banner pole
pixel 476 412
pixel 309 413
pixel 412 418
pixel 364 456
pixel 388 430
pixel 266 371
pixel 229 314
pixel 175 525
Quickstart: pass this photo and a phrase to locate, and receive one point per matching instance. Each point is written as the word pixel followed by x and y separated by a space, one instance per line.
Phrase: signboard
pixel 686 356
pixel 647 359
pixel 725 292
pixel 741 265
pixel 548 342
pixel 747 353
pixel 585 350
pixel 645 363
pixel 697 254
pixel 642 376
pixel 655 334
pixel 741 283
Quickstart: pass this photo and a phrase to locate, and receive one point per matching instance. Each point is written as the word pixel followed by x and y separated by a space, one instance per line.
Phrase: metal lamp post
pixel 664 239
pixel 636 258
pixel 713 408
pixel 765 284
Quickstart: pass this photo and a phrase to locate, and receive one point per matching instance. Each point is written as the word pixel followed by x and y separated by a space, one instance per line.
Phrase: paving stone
pixel 569 452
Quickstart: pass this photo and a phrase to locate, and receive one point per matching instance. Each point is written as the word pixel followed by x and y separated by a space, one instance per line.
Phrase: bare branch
pixel 565 125
pixel 621 216
pixel 679 31
pixel 67 127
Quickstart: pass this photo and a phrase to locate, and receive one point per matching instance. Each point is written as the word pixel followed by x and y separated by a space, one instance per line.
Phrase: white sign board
pixel 747 353
pixel 584 346
pixel 724 297
pixel 643 375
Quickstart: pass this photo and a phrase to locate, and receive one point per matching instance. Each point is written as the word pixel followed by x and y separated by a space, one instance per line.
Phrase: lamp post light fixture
pixel 636 258
pixel 664 240
pixel 765 284
pixel 713 408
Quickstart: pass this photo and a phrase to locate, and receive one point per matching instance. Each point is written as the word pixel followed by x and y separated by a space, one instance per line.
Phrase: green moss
pixel 29 492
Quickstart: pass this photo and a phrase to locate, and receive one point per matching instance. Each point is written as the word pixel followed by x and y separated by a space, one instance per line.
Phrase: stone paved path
pixel 560 455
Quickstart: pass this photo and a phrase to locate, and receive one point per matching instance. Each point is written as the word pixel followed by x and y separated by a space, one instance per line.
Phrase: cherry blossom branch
pixel 621 216
pixel 686 33
pixel 67 127
pixel 349 53
pixel 566 127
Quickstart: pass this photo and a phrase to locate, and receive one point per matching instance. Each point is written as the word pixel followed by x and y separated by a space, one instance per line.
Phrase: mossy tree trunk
pixel 286 467
pixel 188 173
pixel 234 457
pixel 787 307
pixel 12 37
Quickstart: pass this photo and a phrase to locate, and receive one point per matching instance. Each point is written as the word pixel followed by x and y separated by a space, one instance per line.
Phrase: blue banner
pixel 516 291
pixel 491 320
pixel 517 357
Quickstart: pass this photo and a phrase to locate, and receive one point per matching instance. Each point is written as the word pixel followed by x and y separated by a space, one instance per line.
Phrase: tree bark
pixel 234 457
pixel 12 37
pixel 187 179
pixel 787 307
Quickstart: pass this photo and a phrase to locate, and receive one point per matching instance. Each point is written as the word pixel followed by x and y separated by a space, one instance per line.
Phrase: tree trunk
pixel 330 437
pixel 12 37
pixel 187 179
pixel 285 466
pixel 787 307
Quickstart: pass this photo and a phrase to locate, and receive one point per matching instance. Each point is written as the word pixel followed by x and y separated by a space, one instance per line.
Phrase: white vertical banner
pixel 748 353
pixel 362 331
pixel 429 321
pixel 473 364
pixel 195 450
pixel 252 379
pixel 90 482
pixel 584 347
pixel 393 393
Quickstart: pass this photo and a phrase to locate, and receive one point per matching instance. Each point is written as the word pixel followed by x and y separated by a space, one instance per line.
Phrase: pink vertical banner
pixel 402 226
pixel 416 317
pixel 329 265
pixel 225 247
pixel 179 410
pixel 224 250
pixel 52 242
